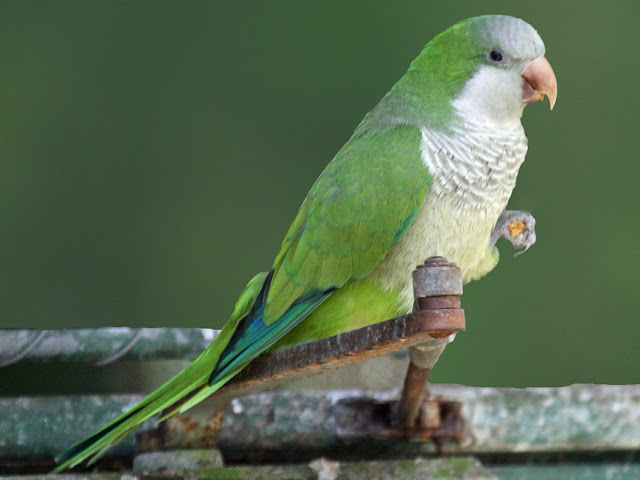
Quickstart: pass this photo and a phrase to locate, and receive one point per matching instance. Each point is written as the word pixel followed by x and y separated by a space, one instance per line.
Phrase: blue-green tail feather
pixel 255 336
pixel 243 338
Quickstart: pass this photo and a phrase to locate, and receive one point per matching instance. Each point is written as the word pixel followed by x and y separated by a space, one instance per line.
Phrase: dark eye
pixel 495 55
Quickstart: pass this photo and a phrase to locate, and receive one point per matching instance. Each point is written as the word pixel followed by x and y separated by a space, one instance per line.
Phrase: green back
pixel 360 205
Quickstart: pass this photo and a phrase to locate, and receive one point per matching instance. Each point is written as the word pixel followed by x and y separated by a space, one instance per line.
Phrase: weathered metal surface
pixel 283 424
pixel 44 426
pixel 592 471
pixel 178 460
pixel 196 429
pixel 102 345
pixel 319 469
pixel 284 366
pixel 579 417
pixel 436 277
pixel 463 468
pixel 75 476
pixel 437 287
pixel 370 420
pixel 413 394
pixel 323 355
pixel 410 469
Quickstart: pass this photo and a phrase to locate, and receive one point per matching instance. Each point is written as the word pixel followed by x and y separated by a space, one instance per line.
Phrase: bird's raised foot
pixel 517 227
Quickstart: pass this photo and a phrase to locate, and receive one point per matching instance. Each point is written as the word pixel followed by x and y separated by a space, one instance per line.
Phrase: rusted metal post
pixel 437 286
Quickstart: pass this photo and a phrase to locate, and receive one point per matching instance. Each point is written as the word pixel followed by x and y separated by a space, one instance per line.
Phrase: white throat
pixel 476 163
pixel 492 96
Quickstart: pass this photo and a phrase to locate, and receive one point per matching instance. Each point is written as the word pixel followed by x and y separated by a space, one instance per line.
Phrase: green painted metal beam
pixel 283 424
pixel 593 471
pixel 319 469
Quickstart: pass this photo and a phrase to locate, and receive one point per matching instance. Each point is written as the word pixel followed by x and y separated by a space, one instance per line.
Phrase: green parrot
pixel 427 172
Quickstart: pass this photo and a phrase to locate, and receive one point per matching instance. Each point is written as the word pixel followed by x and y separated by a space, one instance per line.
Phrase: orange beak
pixel 539 81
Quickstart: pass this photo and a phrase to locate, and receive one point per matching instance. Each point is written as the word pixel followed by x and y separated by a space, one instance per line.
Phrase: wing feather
pixel 357 209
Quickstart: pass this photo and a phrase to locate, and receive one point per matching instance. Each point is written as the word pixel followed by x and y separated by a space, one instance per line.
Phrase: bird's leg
pixel 516 226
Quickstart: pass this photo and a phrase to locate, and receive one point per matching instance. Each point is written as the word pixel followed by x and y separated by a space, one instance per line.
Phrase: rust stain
pixel 189 425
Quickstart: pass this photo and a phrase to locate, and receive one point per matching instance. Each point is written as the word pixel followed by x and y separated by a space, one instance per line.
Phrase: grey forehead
pixel 517 37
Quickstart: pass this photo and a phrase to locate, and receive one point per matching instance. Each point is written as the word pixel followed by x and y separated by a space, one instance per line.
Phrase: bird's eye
pixel 495 55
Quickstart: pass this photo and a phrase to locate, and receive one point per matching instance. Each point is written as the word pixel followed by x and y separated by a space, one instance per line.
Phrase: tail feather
pixel 97 444
pixel 192 378
pixel 243 338
pixel 238 354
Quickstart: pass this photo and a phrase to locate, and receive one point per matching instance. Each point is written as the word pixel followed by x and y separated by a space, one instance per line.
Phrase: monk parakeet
pixel 427 172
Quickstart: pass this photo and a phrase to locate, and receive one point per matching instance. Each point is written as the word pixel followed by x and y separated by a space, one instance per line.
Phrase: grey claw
pixel 516 226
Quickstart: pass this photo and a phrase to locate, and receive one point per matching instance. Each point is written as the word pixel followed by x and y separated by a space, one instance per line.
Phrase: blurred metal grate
pixel 101 346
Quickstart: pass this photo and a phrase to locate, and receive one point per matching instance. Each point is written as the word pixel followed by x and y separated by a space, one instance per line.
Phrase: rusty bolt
pixel 437 284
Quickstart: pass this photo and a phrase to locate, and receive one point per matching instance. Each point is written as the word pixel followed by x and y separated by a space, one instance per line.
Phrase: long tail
pixel 243 338
pixel 194 377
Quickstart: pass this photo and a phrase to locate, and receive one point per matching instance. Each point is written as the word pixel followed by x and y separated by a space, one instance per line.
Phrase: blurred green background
pixel 153 154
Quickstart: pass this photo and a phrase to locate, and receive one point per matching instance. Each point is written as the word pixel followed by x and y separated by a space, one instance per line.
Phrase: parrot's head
pixel 490 67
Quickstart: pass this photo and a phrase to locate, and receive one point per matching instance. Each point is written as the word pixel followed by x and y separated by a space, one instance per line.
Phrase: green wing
pixel 362 203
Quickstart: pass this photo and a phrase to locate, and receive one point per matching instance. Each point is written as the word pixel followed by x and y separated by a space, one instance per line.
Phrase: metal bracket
pixel 437 315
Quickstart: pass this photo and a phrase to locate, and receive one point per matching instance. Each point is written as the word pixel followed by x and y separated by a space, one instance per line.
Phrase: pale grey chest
pixel 474 172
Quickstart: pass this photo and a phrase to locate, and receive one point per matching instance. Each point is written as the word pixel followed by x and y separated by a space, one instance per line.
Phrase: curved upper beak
pixel 539 81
